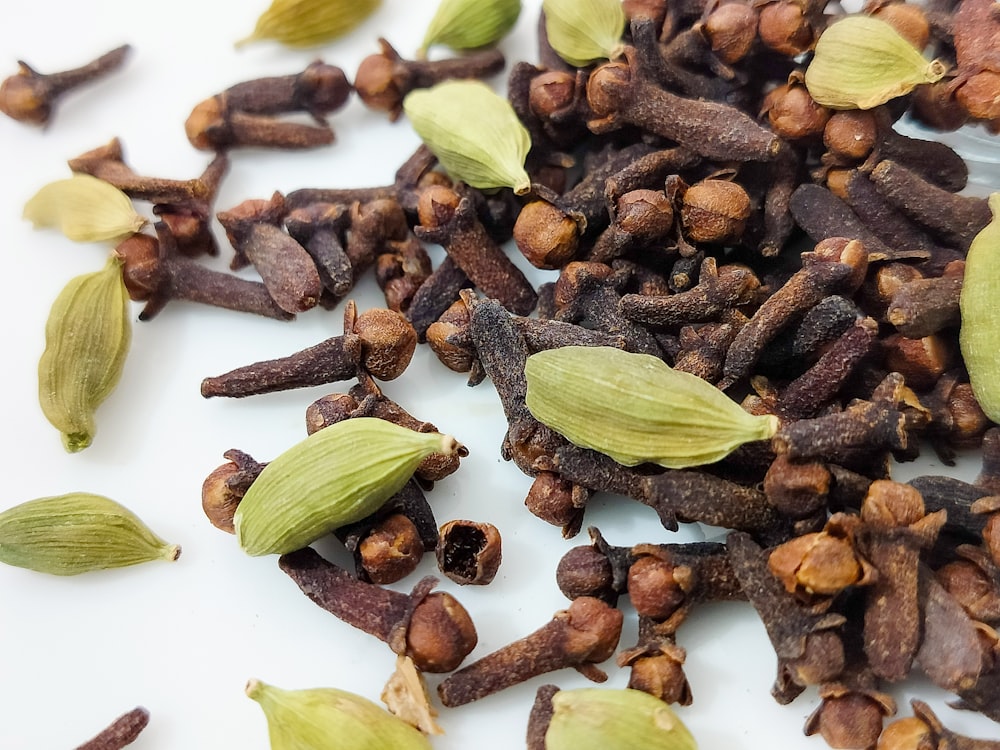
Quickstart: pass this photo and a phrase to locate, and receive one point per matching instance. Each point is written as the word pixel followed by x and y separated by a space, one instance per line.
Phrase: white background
pixel 182 639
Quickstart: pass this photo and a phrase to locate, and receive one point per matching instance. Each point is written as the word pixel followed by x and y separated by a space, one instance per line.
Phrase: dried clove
pixel 432 628
pixel 319 229
pixel 809 650
pixel 449 220
pixel 155 273
pixel 289 273
pixel 121 732
pixel 31 97
pixel 384 79
pixel 580 637
pixel 378 341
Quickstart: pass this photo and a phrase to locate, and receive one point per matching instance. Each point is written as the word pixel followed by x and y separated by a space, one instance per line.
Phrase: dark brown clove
pixel 319 90
pixel 107 163
pixel 657 664
pixel 895 527
pixel 289 273
pixel 718 290
pixel 190 220
pixel 121 732
pixel 450 221
pixel 925 306
pixel 390 551
pixel 319 228
pixel 955 219
pixel 212 126
pixel 154 273
pixel 383 80
pixel 380 342
pixel 641 218
pixel 438 292
pixel 31 97
pixel 432 628
pixel 619 95
pixel 809 650
pixel 836 265
pixel 581 636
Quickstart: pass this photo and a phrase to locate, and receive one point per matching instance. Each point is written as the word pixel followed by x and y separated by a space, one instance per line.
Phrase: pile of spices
pixel 702 267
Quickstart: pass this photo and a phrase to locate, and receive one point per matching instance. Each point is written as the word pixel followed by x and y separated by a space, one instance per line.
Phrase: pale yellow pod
pixel 979 335
pixel 77 533
pixel 334 477
pixel 307 23
pixel 319 718
pixel 609 719
pixel 861 62
pixel 473 132
pixel 584 31
pixel 636 409
pixel 87 338
pixel 85 209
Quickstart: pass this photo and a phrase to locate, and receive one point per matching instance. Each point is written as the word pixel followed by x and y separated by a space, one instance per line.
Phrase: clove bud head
pixel 23 97
pixel 614 720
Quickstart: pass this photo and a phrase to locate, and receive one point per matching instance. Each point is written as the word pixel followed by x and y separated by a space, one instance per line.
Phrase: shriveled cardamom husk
pixel 85 209
pixel 473 132
pixel 87 339
pixel 330 718
pixel 979 335
pixel 77 533
pixel 334 477
pixel 636 409
pixel 861 62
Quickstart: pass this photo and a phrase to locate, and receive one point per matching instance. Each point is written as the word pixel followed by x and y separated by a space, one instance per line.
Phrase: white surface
pixel 183 638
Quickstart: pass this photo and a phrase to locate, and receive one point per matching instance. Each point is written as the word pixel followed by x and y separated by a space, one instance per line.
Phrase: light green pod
pixel 473 132
pixel 77 533
pixel 584 31
pixel 308 23
pixel 469 24
pixel 334 477
pixel 979 336
pixel 861 62
pixel 321 718
pixel 635 408
pixel 608 719
pixel 87 339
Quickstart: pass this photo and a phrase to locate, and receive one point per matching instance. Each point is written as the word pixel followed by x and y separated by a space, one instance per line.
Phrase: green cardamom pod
pixel 334 477
pixel 87 338
pixel 473 132
pixel 585 31
pixel 861 62
pixel 469 24
pixel 77 533
pixel 85 209
pixel 319 718
pixel 635 408
pixel 307 23
pixel 979 334
pixel 609 719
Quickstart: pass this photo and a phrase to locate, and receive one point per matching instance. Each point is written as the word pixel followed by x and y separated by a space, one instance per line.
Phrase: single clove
pixel 32 97
pixel 384 79
pixel 431 628
pixel 155 273
pixel 289 273
pixel 380 342
pixel 580 637
pixel 121 732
